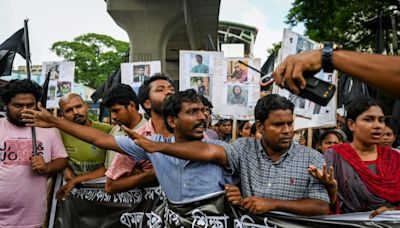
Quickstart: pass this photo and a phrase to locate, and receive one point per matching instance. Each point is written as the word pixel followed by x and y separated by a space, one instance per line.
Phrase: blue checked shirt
pixel 285 179
pixel 181 180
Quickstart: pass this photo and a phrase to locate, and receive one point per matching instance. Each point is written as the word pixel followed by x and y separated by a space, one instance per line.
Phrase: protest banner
pixel 148 207
pixel 232 87
pixel 61 80
pixel 134 73
pixel 308 114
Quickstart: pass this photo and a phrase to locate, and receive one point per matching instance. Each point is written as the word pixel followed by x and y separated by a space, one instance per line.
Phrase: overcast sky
pixel 55 20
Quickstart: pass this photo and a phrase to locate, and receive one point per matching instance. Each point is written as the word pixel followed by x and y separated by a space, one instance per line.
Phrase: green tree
pixel 96 56
pixel 352 23
pixel 275 48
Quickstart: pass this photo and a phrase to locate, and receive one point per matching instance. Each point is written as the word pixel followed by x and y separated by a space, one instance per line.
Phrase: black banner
pixel 148 207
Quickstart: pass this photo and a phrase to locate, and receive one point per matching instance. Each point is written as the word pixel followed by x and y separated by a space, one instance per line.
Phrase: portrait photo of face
pixel 141 73
pixel 237 95
pixel 199 63
pixel 63 88
pixel 303 45
pixel 201 85
pixel 53 70
pixel 236 72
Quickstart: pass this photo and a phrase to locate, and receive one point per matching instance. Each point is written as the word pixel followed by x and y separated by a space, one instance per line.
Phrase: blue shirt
pixel 182 180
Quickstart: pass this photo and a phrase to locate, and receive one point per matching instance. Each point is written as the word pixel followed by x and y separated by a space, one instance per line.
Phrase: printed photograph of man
pixel 303 45
pixel 141 73
pixel 236 72
pixel 63 88
pixel 201 85
pixel 199 66
pixel 237 95
pixel 53 70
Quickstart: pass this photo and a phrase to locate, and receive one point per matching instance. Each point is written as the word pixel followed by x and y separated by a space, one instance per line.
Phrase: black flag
pixel 45 88
pixel 14 44
pixel 113 79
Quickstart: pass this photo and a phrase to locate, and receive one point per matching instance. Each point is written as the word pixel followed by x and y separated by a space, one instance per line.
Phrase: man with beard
pixel 183 181
pixel 236 96
pixel 273 171
pixel 86 161
pixel 152 94
pixel 23 176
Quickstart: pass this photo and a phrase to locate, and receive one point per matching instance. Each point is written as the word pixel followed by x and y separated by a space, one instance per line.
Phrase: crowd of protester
pixel 351 167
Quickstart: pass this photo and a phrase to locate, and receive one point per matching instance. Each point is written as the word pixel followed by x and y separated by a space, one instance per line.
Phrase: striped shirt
pixel 285 179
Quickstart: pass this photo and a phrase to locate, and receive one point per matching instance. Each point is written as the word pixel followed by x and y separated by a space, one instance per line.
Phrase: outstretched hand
pixel 327 177
pixel 41 118
pixel 146 144
pixel 289 74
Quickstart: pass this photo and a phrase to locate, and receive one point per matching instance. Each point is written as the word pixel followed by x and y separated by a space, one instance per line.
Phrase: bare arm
pixel 43 118
pixel 129 182
pixel 39 165
pixel 306 206
pixel 193 150
pixel 100 172
pixel 379 71
pixel 65 190
pixel 57 165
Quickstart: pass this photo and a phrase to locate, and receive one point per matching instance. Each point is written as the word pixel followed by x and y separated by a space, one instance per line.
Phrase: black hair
pixel 241 124
pixel 253 130
pixel 393 126
pixel 324 134
pixel 356 108
pixel 236 86
pixel 121 94
pixel 173 104
pixel 270 103
pixel 199 56
pixel 144 89
pixel 14 87
pixel 206 102
pixel 222 121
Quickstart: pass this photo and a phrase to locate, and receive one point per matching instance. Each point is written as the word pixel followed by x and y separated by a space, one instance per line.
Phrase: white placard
pixel 61 80
pixel 134 73
pixel 233 88
pixel 308 114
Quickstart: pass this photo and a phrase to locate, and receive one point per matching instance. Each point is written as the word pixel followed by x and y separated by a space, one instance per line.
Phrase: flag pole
pixel 27 53
pixel 28 73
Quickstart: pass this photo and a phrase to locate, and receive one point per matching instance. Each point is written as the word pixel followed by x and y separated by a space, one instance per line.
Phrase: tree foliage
pixel 275 48
pixel 96 56
pixel 352 23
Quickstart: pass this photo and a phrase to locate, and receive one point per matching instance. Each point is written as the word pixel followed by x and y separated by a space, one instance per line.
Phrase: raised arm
pixel 193 150
pixel 378 71
pixel 43 118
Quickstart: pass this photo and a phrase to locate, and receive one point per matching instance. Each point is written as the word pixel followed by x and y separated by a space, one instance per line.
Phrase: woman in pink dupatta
pixel 367 174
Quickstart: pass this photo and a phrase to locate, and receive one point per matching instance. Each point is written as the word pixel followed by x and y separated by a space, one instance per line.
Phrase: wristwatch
pixel 327 52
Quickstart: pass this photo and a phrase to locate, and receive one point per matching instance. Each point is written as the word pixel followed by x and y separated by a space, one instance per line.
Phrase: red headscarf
pixel 386 182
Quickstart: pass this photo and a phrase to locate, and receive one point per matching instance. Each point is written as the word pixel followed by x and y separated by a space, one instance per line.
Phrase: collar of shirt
pixel 147 129
pixel 285 155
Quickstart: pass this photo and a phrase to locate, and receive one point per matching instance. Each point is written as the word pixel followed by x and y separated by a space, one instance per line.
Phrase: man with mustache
pixel 152 94
pixel 183 181
pixel 86 161
pixel 273 171
pixel 23 175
